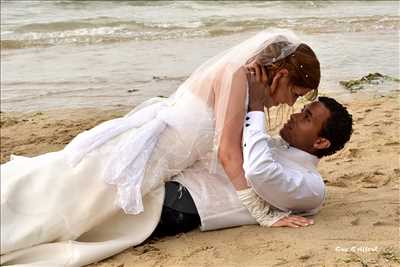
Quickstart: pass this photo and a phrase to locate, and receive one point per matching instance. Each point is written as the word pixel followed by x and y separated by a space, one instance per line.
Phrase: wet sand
pixel 358 226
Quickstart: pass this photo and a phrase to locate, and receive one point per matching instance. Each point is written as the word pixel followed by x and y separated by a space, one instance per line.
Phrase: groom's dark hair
pixel 338 127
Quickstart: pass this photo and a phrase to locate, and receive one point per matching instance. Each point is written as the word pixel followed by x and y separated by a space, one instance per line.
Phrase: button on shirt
pixel 284 176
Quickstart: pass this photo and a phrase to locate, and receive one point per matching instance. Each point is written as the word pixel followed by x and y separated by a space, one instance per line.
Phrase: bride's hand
pixel 257 80
pixel 293 221
pixel 258 72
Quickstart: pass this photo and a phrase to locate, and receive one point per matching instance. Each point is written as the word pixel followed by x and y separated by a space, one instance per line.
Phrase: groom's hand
pixel 257 80
pixel 293 221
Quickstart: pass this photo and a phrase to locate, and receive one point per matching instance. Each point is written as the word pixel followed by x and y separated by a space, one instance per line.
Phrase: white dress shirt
pixel 284 176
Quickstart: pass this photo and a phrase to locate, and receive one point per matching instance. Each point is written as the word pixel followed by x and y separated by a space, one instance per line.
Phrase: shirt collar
pixel 297 155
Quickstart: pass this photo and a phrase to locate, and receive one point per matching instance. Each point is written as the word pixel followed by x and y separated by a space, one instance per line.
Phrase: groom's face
pixel 303 128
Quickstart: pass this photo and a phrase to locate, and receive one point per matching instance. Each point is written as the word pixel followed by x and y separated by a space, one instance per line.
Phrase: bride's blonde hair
pixel 303 65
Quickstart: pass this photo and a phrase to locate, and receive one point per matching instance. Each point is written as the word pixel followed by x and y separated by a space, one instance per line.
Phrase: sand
pixel 358 226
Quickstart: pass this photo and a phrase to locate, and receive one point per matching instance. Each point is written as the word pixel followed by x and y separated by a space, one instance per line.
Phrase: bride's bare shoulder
pixel 232 73
pixel 234 70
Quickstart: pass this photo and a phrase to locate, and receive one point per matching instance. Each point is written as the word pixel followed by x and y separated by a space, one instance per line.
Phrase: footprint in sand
pixel 144 249
pixel 378 132
pixel 381 223
pixel 356 221
pixel 387 122
pixel 375 180
pixel 373 124
pixel 346 177
pixel 306 256
pixel 388 115
pixel 376 104
pixel 392 143
pixel 378 173
pixel 353 153
pixel 7 122
pixel 336 183
pixel 397 213
pixel 366 212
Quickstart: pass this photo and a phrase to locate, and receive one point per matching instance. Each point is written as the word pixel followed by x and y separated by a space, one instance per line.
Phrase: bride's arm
pixel 230 110
pixel 229 113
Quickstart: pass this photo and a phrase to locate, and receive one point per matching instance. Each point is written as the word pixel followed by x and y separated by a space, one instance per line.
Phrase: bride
pixel 52 199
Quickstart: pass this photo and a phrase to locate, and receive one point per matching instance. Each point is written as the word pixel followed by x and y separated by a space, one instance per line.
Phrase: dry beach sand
pixel 358 226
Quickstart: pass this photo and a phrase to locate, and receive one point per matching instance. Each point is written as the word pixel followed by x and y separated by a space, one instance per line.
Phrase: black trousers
pixel 179 213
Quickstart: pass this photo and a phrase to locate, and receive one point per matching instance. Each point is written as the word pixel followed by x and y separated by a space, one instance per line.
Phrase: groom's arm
pixel 256 152
pixel 279 186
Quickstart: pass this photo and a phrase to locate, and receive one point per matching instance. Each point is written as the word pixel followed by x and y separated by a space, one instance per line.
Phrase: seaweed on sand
pixel 371 78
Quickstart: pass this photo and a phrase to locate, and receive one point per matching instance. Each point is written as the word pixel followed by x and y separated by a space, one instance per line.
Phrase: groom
pixel 281 171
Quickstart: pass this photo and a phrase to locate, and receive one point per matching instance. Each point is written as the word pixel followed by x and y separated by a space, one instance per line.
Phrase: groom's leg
pixel 179 213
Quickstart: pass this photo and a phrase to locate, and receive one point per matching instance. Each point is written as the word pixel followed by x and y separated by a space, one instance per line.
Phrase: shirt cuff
pixel 255 121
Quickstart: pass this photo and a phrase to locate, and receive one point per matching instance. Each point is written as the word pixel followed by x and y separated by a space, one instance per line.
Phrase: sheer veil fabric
pixel 191 120
pixel 49 200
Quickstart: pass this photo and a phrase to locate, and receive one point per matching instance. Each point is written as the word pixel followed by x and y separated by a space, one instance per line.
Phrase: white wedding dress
pixel 49 200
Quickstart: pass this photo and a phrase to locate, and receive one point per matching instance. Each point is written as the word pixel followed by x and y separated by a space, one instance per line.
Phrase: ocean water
pixel 68 54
